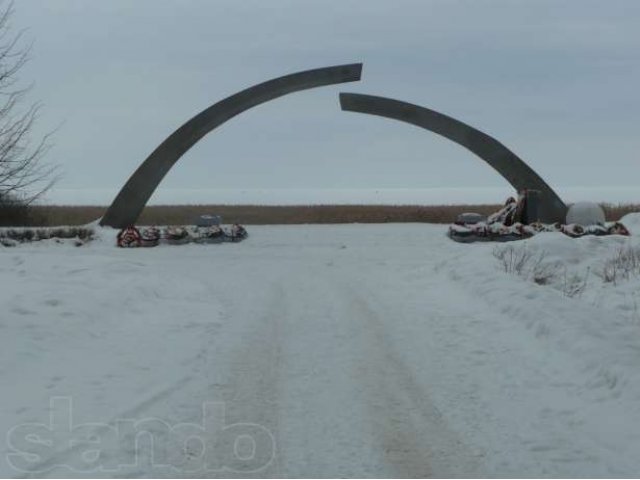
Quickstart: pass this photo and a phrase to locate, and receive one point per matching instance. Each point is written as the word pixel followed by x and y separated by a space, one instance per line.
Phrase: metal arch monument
pixel 130 201
pixel 552 209
pixel 132 198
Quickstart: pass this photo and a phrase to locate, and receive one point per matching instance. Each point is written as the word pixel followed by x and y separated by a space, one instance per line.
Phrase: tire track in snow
pixel 251 388
pixel 324 430
pixel 413 434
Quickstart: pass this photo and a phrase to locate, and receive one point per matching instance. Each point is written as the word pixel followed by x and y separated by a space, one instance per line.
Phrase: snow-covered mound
pixel 597 270
pixel 632 222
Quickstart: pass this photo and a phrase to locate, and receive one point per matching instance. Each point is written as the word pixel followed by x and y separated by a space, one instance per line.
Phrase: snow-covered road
pixel 354 350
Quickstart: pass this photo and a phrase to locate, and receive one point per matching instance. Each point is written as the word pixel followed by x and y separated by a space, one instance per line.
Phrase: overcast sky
pixel 558 82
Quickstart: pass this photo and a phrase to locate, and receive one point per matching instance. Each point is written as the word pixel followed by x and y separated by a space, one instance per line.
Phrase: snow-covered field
pixel 352 350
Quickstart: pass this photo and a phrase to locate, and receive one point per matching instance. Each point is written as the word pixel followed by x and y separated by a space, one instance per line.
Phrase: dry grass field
pixel 264 215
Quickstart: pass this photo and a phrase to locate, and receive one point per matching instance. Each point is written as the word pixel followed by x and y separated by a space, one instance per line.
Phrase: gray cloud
pixel 555 81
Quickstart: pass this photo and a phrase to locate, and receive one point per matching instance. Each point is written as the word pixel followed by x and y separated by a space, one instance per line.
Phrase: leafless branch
pixel 24 176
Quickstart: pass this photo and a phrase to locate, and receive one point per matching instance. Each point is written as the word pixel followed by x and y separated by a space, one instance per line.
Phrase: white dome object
pixel 585 214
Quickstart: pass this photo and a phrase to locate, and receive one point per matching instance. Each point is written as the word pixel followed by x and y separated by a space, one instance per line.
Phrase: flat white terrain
pixel 353 350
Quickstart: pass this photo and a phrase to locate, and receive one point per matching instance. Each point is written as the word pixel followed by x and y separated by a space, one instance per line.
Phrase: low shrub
pixel 622 266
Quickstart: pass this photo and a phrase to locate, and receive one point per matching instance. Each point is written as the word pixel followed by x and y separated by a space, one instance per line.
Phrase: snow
pixel 323 350
pixel 632 222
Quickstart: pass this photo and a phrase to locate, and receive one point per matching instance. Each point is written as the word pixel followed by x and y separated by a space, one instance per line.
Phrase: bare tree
pixel 24 176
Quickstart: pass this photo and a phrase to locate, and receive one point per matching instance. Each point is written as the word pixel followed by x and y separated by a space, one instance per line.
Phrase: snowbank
pixel 632 222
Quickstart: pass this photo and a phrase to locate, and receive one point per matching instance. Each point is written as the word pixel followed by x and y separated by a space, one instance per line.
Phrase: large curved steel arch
pixel 508 164
pixel 128 204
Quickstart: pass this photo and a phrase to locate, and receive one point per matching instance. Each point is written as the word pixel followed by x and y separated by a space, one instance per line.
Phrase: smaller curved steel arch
pixel 508 164
pixel 135 194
